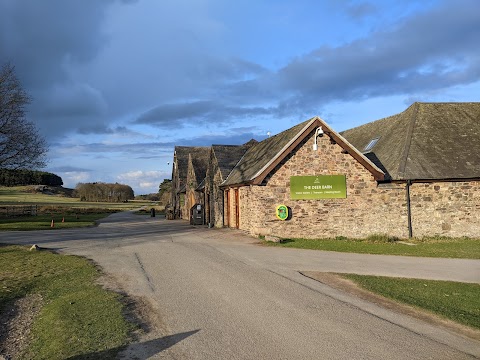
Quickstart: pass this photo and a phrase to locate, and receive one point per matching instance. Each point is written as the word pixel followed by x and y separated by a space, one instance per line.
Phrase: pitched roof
pixel 200 157
pixel 199 161
pixel 229 155
pixel 181 154
pixel 428 141
pixel 259 155
pixel 262 157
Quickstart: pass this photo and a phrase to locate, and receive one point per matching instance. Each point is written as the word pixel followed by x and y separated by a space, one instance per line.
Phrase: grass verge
pixel 429 247
pixel 23 195
pixel 78 317
pixel 44 222
pixel 451 300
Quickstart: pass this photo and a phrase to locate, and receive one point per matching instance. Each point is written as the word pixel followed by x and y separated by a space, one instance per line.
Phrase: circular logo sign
pixel 282 212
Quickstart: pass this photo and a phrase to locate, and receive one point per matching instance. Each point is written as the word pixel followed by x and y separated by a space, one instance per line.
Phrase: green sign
pixel 282 212
pixel 318 187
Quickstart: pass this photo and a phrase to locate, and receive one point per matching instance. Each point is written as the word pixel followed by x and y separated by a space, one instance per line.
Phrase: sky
pixel 116 84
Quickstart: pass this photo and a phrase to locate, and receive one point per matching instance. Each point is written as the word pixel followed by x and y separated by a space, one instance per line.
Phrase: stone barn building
pixel 223 158
pixel 415 173
pixel 188 173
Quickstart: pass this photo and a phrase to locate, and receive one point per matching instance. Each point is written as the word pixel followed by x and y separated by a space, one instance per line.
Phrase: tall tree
pixel 164 192
pixel 21 146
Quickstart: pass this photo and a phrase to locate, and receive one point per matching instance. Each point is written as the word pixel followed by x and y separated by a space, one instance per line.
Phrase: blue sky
pixel 117 84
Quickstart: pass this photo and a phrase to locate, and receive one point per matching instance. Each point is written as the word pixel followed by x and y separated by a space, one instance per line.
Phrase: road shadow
pixel 138 351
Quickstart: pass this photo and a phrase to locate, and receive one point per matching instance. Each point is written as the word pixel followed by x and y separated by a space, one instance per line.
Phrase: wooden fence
pixel 18 210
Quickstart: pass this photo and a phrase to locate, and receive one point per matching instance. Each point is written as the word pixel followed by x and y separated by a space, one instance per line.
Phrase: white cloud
pixel 143 181
pixel 72 178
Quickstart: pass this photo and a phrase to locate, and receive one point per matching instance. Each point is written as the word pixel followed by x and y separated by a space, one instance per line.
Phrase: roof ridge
pixel 292 140
pixel 408 140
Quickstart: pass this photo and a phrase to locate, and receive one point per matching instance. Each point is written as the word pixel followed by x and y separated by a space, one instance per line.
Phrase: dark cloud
pixel 67 169
pixel 429 51
pixel 230 138
pixel 360 11
pixel 172 116
pixel 102 129
pixel 175 76
pixel 44 40
pixel 421 53
pixel 161 149
pixel 131 150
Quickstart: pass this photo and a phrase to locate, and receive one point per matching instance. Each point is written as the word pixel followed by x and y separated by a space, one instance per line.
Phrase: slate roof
pixel 199 161
pixel 260 154
pixel 181 153
pixel 427 141
pixel 263 156
pixel 229 155
pixel 200 156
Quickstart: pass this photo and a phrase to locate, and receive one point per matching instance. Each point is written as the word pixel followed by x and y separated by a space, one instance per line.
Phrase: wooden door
pixel 227 193
pixel 237 210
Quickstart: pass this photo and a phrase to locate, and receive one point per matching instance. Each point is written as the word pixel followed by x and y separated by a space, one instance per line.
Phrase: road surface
pixel 215 294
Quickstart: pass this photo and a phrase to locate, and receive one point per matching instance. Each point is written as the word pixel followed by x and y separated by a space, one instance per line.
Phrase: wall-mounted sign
pixel 282 212
pixel 318 187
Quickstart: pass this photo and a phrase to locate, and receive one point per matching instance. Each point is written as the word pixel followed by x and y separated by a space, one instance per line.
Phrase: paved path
pixel 214 294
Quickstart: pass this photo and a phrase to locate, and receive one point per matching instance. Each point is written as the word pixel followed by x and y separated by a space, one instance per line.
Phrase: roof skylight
pixel 371 144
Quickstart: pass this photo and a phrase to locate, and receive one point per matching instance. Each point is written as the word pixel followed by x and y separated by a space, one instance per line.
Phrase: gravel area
pixel 15 324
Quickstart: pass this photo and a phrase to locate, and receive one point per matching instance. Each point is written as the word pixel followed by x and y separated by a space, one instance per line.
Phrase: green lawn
pixel 452 300
pixel 429 247
pixel 67 212
pixel 78 317
pixel 44 222
pixel 20 195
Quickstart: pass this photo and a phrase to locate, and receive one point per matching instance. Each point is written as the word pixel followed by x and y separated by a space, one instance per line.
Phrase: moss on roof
pixel 199 161
pixel 200 157
pixel 426 141
pixel 259 154
pixel 229 155
pixel 181 154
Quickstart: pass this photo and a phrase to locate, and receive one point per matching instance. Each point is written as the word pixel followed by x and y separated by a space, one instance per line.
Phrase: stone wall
pixel 215 207
pixel 217 200
pixel 211 169
pixel 449 209
pixel 192 197
pixel 446 208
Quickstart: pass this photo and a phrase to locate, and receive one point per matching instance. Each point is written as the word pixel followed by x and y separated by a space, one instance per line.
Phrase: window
pixel 371 144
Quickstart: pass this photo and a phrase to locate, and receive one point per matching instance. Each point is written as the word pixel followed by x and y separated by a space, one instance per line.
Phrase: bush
pixel 382 238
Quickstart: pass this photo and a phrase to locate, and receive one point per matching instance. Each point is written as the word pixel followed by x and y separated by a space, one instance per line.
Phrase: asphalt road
pixel 214 294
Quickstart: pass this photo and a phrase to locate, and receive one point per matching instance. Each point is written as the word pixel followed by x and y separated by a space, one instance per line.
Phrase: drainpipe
pixel 409 210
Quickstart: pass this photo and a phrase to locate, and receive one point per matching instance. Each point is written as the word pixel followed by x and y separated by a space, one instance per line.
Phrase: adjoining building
pixel 415 173
pixel 223 158
pixel 188 172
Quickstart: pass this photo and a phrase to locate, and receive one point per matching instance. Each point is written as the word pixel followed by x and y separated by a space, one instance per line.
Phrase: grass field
pixel 428 247
pixel 77 318
pixel 21 195
pixel 44 222
pixel 67 212
pixel 452 300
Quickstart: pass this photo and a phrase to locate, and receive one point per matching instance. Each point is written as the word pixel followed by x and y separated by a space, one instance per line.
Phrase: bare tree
pixel 21 146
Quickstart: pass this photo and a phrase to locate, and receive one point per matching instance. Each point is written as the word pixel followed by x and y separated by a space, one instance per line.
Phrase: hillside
pixel 36 194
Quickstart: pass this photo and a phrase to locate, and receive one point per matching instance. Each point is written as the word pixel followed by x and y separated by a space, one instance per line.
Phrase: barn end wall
pixel 445 208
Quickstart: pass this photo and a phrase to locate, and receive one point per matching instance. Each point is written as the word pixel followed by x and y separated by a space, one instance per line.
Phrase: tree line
pixel 104 192
pixel 10 177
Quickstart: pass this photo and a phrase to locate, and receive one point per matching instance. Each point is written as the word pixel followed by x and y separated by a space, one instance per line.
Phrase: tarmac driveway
pixel 215 294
